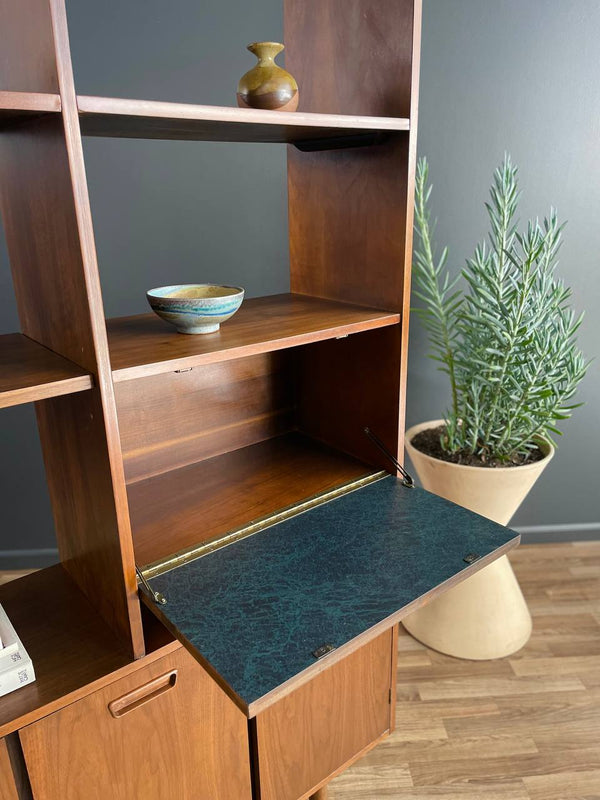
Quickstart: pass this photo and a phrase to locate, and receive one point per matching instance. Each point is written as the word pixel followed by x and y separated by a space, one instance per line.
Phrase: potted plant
pixel 507 342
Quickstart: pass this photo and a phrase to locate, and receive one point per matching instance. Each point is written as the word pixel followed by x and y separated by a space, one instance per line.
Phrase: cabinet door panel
pixel 8 789
pixel 166 731
pixel 313 732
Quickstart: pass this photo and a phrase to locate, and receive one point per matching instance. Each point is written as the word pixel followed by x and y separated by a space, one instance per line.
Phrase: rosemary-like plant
pixel 507 342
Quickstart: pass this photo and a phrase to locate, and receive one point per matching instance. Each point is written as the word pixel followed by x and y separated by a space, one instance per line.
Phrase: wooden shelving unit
pixel 159 446
pixel 142 345
pixel 29 371
pixel 156 443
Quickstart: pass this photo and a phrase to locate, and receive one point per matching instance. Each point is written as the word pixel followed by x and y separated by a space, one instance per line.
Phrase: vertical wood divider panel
pixel 50 241
pixel 351 210
pixel 410 209
pixel 346 385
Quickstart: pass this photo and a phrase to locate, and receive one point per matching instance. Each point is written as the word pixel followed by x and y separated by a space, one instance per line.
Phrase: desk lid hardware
pixel 407 479
pixel 322 650
pixel 237 534
pixel 470 558
pixel 158 598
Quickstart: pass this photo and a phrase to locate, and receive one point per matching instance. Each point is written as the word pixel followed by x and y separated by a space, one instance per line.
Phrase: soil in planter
pixel 428 442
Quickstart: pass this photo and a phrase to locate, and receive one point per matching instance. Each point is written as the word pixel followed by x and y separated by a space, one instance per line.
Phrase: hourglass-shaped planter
pixel 486 615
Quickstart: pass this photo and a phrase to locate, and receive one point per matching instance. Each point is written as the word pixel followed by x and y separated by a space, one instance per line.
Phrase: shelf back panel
pixel 348 384
pixel 351 56
pixel 347 223
pixel 28 63
pixel 191 415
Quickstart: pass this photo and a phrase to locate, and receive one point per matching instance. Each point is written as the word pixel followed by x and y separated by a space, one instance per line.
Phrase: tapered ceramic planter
pixel 485 616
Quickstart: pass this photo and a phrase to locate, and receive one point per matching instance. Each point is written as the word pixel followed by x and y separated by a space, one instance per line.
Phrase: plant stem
pixel 423 230
pixel 509 348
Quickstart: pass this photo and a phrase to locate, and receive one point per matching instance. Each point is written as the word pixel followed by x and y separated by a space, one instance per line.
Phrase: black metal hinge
pixel 407 479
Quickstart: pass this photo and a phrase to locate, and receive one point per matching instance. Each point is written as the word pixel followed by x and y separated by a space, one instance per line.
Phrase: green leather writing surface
pixel 257 609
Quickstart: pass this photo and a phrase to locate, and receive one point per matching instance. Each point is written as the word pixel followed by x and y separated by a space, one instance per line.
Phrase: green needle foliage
pixel 508 341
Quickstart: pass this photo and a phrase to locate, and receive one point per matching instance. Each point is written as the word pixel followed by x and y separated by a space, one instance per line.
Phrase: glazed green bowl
pixel 195 307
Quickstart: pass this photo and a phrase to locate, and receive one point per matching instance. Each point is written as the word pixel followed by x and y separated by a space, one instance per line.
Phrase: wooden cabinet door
pixel 313 733
pixel 8 788
pixel 166 731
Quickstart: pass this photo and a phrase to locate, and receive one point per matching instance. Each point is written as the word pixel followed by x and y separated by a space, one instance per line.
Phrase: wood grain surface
pixel 73 650
pixel 525 727
pixel 8 788
pixel 347 385
pixel 144 119
pixel 367 47
pixel 14 105
pixel 210 498
pixel 50 244
pixel 67 641
pixel 145 345
pixel 29 371
pixel 28 61
pixel 310 734
pixel 350 212
pixel 112 587
pixel 187 741
pixel 197 414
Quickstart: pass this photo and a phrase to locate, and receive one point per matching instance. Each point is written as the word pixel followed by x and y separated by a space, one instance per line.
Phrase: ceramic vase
pixel 485 616
pixel 267 85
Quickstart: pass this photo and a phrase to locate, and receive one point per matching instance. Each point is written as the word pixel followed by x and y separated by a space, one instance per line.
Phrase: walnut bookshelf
pixel 160 448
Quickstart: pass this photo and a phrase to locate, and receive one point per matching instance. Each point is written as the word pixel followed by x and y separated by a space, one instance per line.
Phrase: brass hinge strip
pixel 198 551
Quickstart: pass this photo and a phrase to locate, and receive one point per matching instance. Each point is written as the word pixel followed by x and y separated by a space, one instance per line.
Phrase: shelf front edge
pixel 16 103
pixel 255 348
pixel 98 107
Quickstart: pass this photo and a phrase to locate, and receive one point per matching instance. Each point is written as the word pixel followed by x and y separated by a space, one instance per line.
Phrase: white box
pixel 16 667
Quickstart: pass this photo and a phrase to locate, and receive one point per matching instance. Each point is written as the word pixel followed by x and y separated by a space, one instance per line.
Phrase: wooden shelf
pixel 145 345
pixel 20 104
pixel 182 508
pixel 29 371
pixel 69 644
pixel 143 119
pixel 74 652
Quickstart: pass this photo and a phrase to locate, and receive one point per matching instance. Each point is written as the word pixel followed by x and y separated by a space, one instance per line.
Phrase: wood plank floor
pixel 522 728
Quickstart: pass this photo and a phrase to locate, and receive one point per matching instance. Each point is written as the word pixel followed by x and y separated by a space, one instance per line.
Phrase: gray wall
pixel 522 76
pixel 515 75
